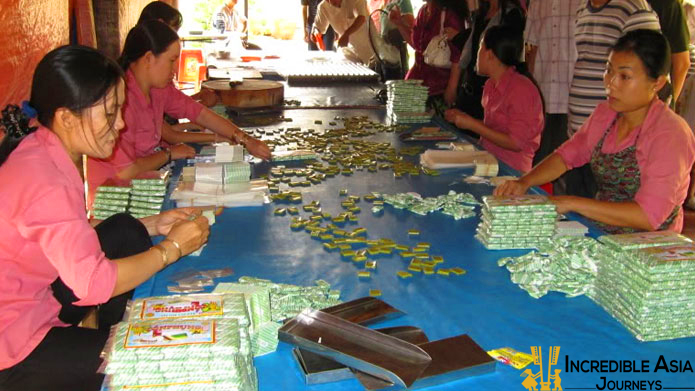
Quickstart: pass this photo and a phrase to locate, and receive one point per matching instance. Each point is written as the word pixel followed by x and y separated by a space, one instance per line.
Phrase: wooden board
pixel 249 94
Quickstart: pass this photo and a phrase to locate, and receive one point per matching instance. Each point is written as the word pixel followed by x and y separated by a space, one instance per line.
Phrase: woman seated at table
pixel 513 105
pixel 54 265
pixel 149 58
pixel 639 150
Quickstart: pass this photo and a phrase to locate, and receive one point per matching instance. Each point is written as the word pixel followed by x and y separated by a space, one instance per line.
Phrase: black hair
pixel 460 7
pixel 159 10
pixel 150 36
pixel 651 47
pixel 507 45
pixel 72 77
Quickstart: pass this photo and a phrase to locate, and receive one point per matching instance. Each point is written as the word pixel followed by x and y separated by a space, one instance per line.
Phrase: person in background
pixel 57 266
pixel 159 10
pixel 395 25
pixel 427 26
pixel 464 87
pixel 599 25
pixel 550 56
pixel 512 101
pixel 349 19
pixel 675 27
pixel 309 8
pixel 228 20
pixel 149 58
pixel 640 150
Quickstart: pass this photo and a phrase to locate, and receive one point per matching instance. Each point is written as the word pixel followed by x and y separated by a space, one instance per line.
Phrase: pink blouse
pixel 46 235
pixel 143 130
pixel 513 106
pixel 665 154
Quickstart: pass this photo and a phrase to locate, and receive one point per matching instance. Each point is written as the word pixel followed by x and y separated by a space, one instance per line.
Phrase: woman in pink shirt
pixel 513 123
pixel 54 265
pixel 149 57
pixel 639 150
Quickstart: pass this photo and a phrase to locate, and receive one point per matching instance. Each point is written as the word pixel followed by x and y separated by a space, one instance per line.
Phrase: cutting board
pixel 248 94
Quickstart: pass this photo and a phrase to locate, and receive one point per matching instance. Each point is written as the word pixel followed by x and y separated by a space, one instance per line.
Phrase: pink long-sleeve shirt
pixel 143 127
pixel 665 153
pixel 513 106
pixel 45 235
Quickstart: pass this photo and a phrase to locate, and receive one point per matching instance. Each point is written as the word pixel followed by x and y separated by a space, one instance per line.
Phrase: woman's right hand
pixel 182 151
pixel 516 187
pixel 190 234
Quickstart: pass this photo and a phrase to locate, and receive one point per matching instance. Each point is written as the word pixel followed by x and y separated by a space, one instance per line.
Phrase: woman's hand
pixel 190 235
pixel 257 148
pixel 460 119
pixel 516 187
pixel 167 219
pixel 182 151
pixel 450 32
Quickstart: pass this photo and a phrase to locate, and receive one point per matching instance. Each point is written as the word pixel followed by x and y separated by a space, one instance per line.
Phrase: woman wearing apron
pixel 639 150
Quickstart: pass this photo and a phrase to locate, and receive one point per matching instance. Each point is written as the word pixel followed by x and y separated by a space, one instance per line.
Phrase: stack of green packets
pixel 223 173
pixel 236 172
pixel 196 341
pixel 179 354
pixel 457 205
pixel 148 193
pixel 269 303
pixel 406 101
pixel 648 284
pixel 110 199
pixel 513 222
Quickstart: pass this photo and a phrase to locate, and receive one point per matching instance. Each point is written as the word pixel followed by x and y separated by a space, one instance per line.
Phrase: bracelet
pixel 176 244
pixel 163 253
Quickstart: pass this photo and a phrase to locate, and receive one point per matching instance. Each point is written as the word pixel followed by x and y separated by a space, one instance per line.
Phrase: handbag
pixel 438 53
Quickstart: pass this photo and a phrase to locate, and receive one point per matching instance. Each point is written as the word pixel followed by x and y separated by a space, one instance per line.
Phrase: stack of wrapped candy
pixel 111 198
pixel 511 222
pixel 192 342
pixel 648 284
pixel 148 193
pixel 269 303
pixel 406 100
pixel 223 173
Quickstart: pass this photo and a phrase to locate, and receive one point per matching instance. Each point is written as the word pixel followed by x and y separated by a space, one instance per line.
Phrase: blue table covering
pixel 483 303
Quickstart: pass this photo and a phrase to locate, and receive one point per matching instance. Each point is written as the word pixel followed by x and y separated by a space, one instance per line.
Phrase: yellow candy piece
pixel 437 259
pixel 359 258
pixel 428 269
pixel 457 270
pixel 374 292
pixel 415 268
pixel 424 244
pixel 370 265
pixel 280 212
pixel 443 272
pixel 413 232
pixel 407 254
pixel 364 274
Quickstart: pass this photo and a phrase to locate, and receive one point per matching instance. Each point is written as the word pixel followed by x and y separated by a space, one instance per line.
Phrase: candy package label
pixel 147 335
pixel 180 307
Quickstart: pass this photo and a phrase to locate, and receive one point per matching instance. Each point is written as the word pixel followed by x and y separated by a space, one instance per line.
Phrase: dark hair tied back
pixel 651 47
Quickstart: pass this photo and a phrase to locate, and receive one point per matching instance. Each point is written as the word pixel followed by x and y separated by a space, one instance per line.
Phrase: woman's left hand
pixel 459 118
pixel 167 219
pixel 257 148
pixel 564 204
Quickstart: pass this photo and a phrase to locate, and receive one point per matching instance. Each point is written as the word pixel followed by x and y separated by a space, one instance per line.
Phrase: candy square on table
pixel 443 272
pixel 374 292
pixel 364 274
pixel 280 211
pixel 457 270
pixel 370 265
pixel 413 232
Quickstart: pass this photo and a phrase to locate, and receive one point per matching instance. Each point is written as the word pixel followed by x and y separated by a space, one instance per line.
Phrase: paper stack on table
pixel 250 193
pixel 510 222
pixel 650 290
pixel 225 153
pixel 223 173
pixel 148 193
pixel 484 162
pixel 111 198
pixel 299 154
pixel 406 101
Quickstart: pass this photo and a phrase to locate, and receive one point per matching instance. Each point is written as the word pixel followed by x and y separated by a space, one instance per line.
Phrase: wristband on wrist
pixel 176 244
